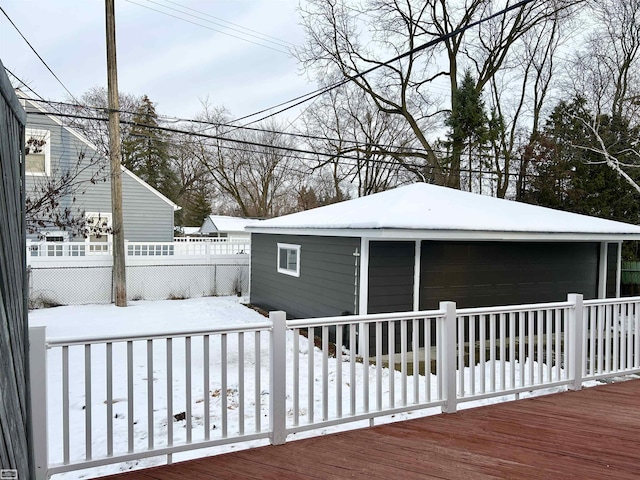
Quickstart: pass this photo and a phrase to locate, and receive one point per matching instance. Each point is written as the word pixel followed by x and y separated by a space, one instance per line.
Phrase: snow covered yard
pixel 246 409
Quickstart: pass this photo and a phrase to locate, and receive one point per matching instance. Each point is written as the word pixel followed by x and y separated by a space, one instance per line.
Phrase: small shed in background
pixel 409 248
pixel 223 226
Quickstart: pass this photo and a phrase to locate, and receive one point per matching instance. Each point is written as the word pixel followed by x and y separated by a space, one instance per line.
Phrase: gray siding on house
pixel 391 267
pixel 16 444
pixel 476 274
pixel 146 216
pixel 326 285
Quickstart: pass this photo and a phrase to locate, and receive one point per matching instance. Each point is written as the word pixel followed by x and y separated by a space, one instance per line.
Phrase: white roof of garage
pixel 427 211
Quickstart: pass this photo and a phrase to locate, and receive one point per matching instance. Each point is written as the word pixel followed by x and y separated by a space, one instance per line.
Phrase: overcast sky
pixel 174 62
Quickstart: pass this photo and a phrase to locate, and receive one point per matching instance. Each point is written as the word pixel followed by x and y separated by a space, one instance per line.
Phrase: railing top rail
pixel 461 312
pixel 349 319
pixel 610 301
pixel 69 341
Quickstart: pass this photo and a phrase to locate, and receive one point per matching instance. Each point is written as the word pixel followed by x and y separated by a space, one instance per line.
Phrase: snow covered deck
pixel 587 434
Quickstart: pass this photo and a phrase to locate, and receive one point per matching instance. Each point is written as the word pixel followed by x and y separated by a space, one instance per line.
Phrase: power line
pixel 241 27
pixel 37 54
pixel 208 28
pixel 351 78
pixel 389 149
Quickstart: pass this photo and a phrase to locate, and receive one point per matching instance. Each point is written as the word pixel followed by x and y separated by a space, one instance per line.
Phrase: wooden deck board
pixel 590 434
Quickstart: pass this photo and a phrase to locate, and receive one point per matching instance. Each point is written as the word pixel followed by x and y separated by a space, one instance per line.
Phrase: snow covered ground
pixel 179 315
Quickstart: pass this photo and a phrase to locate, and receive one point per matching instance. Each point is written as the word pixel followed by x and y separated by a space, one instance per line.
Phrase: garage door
pixel 476 274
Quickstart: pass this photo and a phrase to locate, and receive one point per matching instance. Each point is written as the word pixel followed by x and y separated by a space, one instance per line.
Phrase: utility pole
pixel 119 270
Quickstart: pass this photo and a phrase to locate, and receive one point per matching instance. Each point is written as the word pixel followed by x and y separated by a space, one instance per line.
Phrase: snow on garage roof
pixel 421 210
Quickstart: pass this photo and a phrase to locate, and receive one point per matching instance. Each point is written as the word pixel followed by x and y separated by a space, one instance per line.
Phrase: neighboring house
pixel 222 226
pixel 147 214
pixel 410 248
pixel 16 440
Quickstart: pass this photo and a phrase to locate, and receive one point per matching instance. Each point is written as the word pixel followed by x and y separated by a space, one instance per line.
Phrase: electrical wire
pixel 419 48
pixel 37 54
pixel 208 28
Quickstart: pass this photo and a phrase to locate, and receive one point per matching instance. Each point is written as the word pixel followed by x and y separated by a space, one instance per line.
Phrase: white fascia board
pixel 150 188
pixel 402 234
pixel 56 120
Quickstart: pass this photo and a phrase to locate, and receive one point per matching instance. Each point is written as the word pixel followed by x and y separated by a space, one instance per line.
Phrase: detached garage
pixel 414 246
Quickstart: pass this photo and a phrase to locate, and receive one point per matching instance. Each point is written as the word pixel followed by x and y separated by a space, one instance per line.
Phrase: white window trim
pixel 46 136
pixel 106 215
pixel 289 246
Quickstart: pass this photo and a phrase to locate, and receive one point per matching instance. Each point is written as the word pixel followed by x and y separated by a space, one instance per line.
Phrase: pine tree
pixel 469 127
pixel 145 151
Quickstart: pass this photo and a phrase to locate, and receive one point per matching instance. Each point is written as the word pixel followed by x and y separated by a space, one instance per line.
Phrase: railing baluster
pixel 557 346
pixel 512 348
pixel 169 345
pixel 205 386
pixel 130 399
pixel 415 336
pixel 531 317
pixel 325 373
pixel 352 368
pixel 391 345
pixel 472 352
pixel 87 402
pixel 187 384
pixel 503 360
pixel 241 388
pixel 150 424
pixel 427 359
pixel 339 371
pixel 365 366
pixel 65 404
pixel 482 351
pixel 615 333
pixel 310 375
pixel 379 366
pixel 521 345
pixel 296 376
pixel 223 384
pixel 549 344
pixel 109 380
pixel 403 360
pixel 540 353
pixel 461 362
pixel 257 383
pixel 607 322
pixel 492 351
pixel 636 318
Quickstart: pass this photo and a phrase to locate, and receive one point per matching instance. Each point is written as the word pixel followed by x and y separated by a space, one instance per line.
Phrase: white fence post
pixel 449 357
pixel 38 384
pixel 576 340
pixel 277 378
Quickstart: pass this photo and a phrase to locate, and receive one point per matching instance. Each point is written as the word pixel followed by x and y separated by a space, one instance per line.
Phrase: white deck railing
pixel 250 382
pixel 221 246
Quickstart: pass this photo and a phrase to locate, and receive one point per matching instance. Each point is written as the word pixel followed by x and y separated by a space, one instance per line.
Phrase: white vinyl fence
pixel 72 273
pixel 259 374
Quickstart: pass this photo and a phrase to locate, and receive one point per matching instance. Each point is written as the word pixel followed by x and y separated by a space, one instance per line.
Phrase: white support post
pixel 602 271
pixel 38 385
pixel 618 269
pixel 576 340
pixel 363 296
pixel 277 378
pixel 449 357
pixel 416 277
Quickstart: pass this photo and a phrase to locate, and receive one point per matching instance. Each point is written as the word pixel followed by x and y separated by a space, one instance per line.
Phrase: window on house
pixel 98 231
pixel 37 152
pixel 289 259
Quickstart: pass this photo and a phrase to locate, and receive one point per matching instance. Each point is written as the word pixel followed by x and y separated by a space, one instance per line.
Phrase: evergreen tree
pixel 570 173
pixel 145 151
pixel 469 127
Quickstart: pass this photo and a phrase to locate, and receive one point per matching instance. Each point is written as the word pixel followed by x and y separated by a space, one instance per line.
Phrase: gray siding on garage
pixel 475 274
pixel 146 216
pixel 326 285
pixel 391 267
